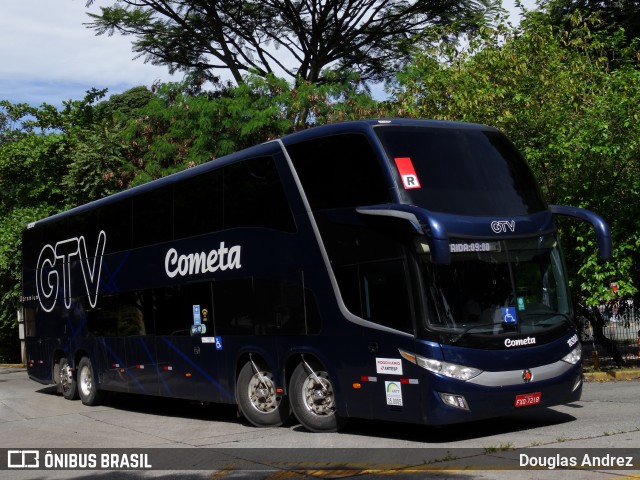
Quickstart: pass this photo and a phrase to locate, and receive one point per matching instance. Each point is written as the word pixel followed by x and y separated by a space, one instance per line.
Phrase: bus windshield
pixel 495 288
pixel 462 170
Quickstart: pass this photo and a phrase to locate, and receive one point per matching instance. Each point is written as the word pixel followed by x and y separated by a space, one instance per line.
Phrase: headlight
pixel 574 356
pixel 451 370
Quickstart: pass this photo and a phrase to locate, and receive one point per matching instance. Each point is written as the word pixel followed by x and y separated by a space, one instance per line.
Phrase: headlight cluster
pixel 574 355
pixel 451 370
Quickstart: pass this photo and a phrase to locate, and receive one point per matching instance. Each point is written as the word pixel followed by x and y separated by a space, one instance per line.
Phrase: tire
pixel 258 399
pixel 313 399
pixel 87 384
pixel 56 377
pixel 67 385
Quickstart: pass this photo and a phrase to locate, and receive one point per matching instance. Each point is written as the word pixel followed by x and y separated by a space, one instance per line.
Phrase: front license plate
pixel 528 399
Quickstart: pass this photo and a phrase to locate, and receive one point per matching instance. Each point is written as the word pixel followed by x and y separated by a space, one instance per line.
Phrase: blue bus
pixel 401 270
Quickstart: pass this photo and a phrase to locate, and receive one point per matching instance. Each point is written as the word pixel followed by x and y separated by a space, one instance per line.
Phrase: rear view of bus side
pixel 386 269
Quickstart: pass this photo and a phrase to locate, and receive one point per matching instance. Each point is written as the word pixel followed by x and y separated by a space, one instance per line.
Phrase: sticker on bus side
pixel 391 366
pixel 394 393
pixel 407 173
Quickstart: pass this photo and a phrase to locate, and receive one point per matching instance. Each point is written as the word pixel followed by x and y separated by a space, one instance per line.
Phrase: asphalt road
pixel 184 436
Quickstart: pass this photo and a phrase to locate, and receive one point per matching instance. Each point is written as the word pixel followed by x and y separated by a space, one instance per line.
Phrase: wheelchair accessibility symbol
pixel 509 315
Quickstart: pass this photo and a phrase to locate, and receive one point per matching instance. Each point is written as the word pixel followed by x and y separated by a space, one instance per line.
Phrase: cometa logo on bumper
pixel 222 258
pixel 519 342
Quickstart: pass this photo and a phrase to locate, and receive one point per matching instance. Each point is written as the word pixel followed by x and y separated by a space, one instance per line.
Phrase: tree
pixel 201 36
pixel 31 168
pixel 177 129
pixel 613 15
pixel 98 157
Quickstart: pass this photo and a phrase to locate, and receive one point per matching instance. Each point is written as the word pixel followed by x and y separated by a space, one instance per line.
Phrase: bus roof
pixel 367 125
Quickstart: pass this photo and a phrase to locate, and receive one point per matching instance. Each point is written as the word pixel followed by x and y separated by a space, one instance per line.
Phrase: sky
pixel 48 56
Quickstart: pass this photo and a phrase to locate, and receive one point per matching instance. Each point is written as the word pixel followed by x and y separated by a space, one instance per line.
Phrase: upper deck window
pixel 339 171
pixel 461 171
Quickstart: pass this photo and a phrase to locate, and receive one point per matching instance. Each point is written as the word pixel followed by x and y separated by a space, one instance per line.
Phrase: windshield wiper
pixel 466 331
pixel 565 317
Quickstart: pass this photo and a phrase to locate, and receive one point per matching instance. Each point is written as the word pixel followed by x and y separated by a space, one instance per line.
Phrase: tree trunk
pixel 597 323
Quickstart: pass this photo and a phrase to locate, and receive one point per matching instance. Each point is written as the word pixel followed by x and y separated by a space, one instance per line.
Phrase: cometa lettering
pixel 519 342
pixel 222 258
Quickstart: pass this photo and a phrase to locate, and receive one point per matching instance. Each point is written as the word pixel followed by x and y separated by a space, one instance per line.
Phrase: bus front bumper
pixel 450 401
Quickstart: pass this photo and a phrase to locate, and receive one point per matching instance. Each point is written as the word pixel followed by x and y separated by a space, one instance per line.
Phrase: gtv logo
pixel 48 281
pixel 502 226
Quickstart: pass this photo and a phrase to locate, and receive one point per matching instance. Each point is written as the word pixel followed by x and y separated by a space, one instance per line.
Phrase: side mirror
pixel 603 232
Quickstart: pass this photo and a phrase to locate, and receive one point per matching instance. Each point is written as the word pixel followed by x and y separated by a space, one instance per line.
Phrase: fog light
pixel 452 400
pixel 578 383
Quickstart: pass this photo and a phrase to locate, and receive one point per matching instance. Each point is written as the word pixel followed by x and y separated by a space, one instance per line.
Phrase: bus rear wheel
pixel 313 399
pixel 87 384
pixel 258 398
pixel 67 384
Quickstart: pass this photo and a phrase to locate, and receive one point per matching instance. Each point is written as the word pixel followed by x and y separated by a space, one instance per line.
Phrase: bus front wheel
pixel 87 385
pixel 67 384
pixel 258 398
pixel 313 399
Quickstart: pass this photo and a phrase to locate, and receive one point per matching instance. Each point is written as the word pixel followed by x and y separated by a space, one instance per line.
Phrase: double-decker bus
pixel 398 270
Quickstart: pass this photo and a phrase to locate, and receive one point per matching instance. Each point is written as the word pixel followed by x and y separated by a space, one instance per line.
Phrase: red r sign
pixel 407 173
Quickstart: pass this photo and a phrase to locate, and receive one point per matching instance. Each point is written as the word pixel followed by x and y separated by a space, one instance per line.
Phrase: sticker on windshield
pixel 509 315
pixel 407 173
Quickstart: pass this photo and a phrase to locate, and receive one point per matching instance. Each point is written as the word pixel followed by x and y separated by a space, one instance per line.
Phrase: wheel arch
pixel 295 358
pixel 257 355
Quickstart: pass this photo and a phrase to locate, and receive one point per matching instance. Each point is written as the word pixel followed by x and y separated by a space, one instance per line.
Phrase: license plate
pixel 528 399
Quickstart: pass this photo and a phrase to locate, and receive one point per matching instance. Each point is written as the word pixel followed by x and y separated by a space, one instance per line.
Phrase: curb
pixel 612 375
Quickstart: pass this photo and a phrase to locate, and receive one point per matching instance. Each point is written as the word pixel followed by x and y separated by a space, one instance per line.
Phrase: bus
pixel 400 270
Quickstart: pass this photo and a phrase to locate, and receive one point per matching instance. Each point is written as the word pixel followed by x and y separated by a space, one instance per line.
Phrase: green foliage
pixel 11 226
pixel 178 130
pixel 613 17
pixel 124 105
pixel 95 165
pixel 31 169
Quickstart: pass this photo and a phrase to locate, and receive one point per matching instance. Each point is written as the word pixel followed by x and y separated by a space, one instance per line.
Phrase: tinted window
pixel 377 292
pixel 352 243
pixel 174 307
pixel 254 197
pixel 280 306
pixel 234 308
pixel 198 205
pixel 339 171
pixel 123 314
pixel 115 219
pixel 463 171
pixel 260 306
pixel 152 220
pixel 32 243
